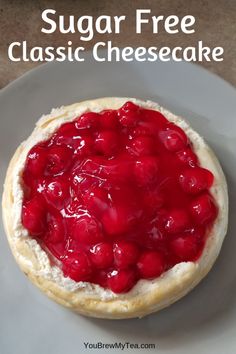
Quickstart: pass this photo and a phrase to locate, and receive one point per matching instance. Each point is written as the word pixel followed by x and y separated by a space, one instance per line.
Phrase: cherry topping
pixel 57 192
pixel 58 159
pixel 108 119
pixel 86 230
pixel 125 254
pixel 153 202
pixel 195 180
pixel 141 131
pixel 87 120
pixel 107 142
pixel 34 215
pixel 188 157
pixel 128 114
pixel 173 138
pixel 117 220
pixel 204 209
pixel 120 281
pixel 96 200
pixel 151 264
pixel 117 169
pixel 142 145
pixel 117 196
pixel 100 278
pixel 152 123
pixel 102 255
pixel 77 266
pixel 177 220
pixel 146 169
pixel 66 134
pixel 56 231
pixel 84 146
pixel 184 248
pixel 36 162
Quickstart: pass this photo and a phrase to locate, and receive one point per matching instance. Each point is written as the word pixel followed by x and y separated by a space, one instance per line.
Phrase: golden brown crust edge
pixel 140 304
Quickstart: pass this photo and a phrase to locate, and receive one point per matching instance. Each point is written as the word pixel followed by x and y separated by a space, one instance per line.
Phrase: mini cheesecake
pixel 115 207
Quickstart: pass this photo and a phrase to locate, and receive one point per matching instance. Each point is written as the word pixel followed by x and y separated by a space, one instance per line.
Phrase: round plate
pixel 202 322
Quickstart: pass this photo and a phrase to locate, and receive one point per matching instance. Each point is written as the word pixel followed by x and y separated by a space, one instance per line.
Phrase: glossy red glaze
pixel 117 196
pixel 151 264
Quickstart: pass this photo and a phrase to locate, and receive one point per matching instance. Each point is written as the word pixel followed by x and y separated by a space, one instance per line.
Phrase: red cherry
pixel 107 142
pixel 204 209
pixel 84 146
pixel 129 114
pixel 155 237
pixel 87 120
pixel 100 278
pixel 121 281
pixel 152 123
pixel 173 138
pixel 56 231
pixel 146 170
pixel 56 249
pixel 58 159
pixel 142 145
pixel 121 217
pixel 187 156
pixel 195 180
pixel 96 200
pixel 74 206
pixel 109 119
pixel 90 165
pixel 35 163
pixel 129 107
pixel 117 170
pixel 86 230
pixel 154 116
pixel 101 255
pixel 34 216
pixel 125 254
pixel 153 200
pixel 57 192
pixel 77 266
pixel 115 220
pixel 151 264
pixel 39 185
pixel 81 183
pixel 177 220
pixel 66 134
pixel 141 131
pixel 184 248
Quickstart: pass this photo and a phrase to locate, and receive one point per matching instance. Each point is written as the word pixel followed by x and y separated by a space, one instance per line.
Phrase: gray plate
pixel 202 322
